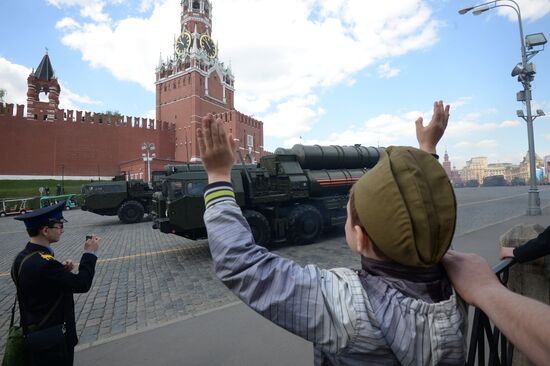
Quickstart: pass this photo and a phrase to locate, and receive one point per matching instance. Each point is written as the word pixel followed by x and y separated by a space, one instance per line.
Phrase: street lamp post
pixel 148 157
pixel 525 71
pixel 62 178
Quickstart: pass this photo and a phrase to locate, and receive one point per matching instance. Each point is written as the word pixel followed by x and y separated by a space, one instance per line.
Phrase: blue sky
pixel 315 71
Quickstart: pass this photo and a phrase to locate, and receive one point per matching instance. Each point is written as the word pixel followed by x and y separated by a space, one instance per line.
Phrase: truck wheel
pixel 130 212
pixel 259 226
pixel 305 224
pixel 2 214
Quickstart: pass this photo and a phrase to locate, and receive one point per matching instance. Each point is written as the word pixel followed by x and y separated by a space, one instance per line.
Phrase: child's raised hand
pixel 429 136
pixel 216 148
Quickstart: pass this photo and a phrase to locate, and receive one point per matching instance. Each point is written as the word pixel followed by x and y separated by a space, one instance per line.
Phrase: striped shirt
pixel 330 308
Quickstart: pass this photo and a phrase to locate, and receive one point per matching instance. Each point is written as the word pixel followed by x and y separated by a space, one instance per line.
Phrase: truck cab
pixel 178 207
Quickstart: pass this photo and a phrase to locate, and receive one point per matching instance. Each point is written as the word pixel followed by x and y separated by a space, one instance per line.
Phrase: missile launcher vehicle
pixel 291 195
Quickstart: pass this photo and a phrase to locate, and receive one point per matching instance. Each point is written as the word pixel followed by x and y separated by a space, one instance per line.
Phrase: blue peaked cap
pixel 43 216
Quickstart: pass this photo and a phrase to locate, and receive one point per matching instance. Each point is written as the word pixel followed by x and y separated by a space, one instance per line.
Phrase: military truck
pixel 130 200
pixel 291 195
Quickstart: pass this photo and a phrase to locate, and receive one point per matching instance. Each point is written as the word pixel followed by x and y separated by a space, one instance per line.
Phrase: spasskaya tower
pixel 193 82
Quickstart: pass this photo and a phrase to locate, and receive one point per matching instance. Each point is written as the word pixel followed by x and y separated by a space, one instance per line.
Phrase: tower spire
pixel 44 71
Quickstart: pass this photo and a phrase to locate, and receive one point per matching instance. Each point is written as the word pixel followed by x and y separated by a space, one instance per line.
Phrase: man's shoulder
pixel 35 259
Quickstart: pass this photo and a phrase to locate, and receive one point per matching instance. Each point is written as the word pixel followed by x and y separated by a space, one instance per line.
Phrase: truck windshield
pixel 175 189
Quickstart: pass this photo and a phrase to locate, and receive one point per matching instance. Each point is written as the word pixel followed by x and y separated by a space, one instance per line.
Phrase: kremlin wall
pixel 79 143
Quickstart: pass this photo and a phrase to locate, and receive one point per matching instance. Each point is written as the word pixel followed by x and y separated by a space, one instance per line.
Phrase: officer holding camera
pixel 45 287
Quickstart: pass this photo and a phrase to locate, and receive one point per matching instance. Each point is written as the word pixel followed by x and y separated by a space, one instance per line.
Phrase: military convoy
pixel 130 200
pixel 291 195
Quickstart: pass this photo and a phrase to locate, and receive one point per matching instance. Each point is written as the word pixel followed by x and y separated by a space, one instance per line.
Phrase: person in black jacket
pixel 45 287
pixel 533 249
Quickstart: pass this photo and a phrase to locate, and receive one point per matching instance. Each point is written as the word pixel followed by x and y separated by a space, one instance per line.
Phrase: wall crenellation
pixel 14 112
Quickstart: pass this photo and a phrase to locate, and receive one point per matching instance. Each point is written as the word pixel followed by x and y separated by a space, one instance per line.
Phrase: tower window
pixel 196 5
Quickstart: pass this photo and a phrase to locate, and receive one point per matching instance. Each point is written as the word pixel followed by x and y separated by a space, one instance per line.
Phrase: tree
pixel 3 108
pixel 109 115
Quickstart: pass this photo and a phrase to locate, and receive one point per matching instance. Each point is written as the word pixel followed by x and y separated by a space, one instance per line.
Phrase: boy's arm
pixel 311 303
pixel 429 136
pixel 307 301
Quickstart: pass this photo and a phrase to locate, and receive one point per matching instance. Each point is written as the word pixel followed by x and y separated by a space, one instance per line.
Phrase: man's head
pixel 46 223
pixel 405 207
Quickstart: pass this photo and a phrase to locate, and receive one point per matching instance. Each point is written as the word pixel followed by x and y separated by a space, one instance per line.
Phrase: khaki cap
pixel 407 206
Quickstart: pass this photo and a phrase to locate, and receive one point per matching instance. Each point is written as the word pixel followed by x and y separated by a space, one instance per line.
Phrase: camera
pixel 88 237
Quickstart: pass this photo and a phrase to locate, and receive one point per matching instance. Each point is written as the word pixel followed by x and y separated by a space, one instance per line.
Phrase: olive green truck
pixel 291 195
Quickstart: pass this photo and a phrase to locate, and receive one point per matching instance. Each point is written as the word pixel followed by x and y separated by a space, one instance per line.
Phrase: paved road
pixel 146 278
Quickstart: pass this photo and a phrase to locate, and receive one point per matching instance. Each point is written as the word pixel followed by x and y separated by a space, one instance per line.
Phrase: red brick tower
pixel 43 80
pixel 193 82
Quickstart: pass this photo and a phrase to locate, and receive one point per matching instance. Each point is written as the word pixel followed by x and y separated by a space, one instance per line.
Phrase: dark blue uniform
pixel 43 281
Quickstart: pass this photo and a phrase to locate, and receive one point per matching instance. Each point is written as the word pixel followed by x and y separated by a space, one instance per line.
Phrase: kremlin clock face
pixel 208 45
pixel 183 43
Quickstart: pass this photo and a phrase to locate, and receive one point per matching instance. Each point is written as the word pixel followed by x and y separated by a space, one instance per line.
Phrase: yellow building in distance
pixel 477 168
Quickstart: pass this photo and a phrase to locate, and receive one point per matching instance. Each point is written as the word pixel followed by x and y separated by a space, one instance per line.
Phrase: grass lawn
pixel 29 188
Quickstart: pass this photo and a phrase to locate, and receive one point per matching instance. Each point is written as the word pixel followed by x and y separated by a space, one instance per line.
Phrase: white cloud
pixel 67 23
pixel 459 102
pixel 547 137
pixel 487 143
pixel 462 144
pixel 382 130
pixel 509 123
pixel 133 45
pixel 92 9
pixel 14 81
pixel 470 124
pixel 70 100
pixel 293 117
pixel 280 57
pixel 385 71
pixel 530 10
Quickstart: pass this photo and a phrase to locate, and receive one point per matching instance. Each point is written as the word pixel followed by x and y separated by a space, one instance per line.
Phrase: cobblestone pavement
pixel 145 278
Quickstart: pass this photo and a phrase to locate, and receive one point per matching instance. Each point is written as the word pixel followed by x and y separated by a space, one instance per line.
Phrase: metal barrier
pixel 500 350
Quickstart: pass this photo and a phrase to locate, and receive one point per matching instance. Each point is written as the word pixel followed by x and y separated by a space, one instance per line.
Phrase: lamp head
pixel 540 113
pixel 480 9
pixel 519 113
pixel 465 10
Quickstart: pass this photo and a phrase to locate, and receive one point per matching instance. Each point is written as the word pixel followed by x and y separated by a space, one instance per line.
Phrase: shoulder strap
pixel 17 287
pixel 16 280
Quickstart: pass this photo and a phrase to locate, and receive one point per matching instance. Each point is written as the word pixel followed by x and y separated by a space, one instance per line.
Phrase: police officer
pixel 45 287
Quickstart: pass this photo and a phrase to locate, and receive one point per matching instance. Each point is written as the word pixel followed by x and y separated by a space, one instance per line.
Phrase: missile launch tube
pixel 333 156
